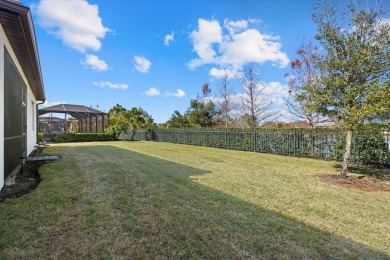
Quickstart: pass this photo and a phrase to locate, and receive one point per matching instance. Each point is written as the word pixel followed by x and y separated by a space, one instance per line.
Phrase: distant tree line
pixel 249 108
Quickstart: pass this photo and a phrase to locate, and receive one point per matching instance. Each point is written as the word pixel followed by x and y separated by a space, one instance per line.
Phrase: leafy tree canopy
pixel 355 65
pixel 201 113
pixel 122 119
pixel 178 120
pixel 354 85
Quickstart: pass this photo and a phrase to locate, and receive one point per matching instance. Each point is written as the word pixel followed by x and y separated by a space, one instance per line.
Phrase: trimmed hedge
pixel 369 147
pixel 82 137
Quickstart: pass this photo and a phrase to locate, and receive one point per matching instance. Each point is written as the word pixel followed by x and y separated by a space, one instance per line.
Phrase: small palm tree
pixel 118 124
pixel 134 119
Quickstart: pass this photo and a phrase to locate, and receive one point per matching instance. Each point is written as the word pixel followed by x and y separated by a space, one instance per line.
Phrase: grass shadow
pixel 106 201
pixel 373 172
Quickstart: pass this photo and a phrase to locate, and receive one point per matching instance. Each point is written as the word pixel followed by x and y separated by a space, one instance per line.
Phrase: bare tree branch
pixel 225 97
pixel 255 105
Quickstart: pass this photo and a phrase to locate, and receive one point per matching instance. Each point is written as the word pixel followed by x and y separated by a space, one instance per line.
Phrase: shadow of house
pixel 21 86
pixel 149 207
pixel 376 173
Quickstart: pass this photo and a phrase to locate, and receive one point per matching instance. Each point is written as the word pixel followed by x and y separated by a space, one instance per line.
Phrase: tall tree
pixel 355 68
pixel 303 85
pixel 148 120
pixel 201 113
pixel 135 118
pixel 118 121
pixel 122 120
pixel 255 104
pixel 177 120
pixel 116 110
pixel 206 90
pixel 225 99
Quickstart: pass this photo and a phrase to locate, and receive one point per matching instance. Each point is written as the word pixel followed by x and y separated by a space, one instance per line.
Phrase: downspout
pixel 37 118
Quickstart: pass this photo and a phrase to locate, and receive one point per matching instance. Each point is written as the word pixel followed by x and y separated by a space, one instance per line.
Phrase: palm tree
pixel 134 119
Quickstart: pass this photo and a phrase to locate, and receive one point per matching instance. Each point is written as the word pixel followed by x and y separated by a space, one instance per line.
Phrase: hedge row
pixel 368 147
pixel 82 137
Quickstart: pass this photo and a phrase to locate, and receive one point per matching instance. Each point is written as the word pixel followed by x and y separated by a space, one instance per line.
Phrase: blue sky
pixel 158 54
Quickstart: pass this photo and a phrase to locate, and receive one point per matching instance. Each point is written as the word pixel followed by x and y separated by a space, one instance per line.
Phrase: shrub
pixel 369 146
pixel 40 137
pixel 82 137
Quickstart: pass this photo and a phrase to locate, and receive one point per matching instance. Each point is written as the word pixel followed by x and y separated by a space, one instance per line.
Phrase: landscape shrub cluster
pixel 82 137
pixel 368 147
pixel 40 137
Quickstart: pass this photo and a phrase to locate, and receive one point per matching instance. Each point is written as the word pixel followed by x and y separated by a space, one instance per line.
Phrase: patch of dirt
pixel 25 182
pixel 360 183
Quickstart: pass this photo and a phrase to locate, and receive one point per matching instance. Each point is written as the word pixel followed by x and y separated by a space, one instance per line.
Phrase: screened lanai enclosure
pixel 77 118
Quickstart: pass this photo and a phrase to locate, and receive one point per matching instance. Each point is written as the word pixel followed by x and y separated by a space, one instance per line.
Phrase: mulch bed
pixel 361 183
pixel 25 182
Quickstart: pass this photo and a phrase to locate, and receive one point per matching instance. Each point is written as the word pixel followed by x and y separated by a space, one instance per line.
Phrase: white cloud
pixel 179 93
pixel 276 88
pixel 142 64
pixel 233 49
pixel 208 33
pixel 252 46
pixel 254 20
pixel 152 92
pixel 235 26
pixel 75 22
pixel 110 85
pixel 95 63
pixel 169 38
pixel 220 73
pixel 277 91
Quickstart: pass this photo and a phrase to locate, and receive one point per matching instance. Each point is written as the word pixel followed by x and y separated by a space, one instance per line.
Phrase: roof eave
pixel 33 73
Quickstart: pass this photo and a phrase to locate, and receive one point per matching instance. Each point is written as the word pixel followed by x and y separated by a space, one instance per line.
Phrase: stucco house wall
pixel 7 50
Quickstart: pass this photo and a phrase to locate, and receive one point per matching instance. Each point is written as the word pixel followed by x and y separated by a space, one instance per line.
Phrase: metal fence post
pixel 226 139
pixel 295 139
pixel 254 139
pixel 354 146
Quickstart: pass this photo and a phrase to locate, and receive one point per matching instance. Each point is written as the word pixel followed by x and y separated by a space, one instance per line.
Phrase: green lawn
pixel 159 200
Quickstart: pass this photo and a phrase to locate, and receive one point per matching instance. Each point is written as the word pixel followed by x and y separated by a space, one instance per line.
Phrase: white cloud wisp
pixel 110 85
pixel 169 38
pixel 179 93
pixel 142 64
pixel 152 92
pixel 95 63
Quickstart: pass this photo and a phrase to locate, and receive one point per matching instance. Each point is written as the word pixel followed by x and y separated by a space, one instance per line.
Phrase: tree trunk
pixel 347 154
pixel 226 119
pixel 132 133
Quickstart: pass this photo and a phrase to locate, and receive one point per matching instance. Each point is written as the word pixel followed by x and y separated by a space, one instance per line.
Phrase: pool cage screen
pixel 77 119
